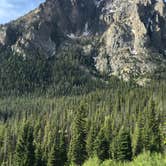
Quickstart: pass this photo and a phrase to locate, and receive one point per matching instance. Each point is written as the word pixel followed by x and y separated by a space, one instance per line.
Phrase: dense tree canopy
pixel 109 123
pixel 53 112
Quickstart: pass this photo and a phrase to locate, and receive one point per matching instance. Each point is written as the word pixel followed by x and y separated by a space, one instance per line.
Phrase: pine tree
pixel 39 161
pixel 146 137
pixel 137 142
pixel 108 128
pixel 25 150
pixel 77 149
pixel 124 151
pixel 145 132
pixel 137 136
pixel 113 148
pixel 154 128
pixel 63 148
pixel 101 146
pixel 91 140
pixel 58 153
pixel 54 156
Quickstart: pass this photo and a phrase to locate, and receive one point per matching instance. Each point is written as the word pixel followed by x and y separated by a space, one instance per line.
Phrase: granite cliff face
pixel 134 39
pixel 129 35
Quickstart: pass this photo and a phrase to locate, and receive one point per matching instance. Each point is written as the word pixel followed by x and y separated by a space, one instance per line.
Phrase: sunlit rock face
pixel 131 34
pixel 134 36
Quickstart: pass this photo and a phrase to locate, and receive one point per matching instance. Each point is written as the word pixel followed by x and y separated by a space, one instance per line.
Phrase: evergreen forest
pixel 55 113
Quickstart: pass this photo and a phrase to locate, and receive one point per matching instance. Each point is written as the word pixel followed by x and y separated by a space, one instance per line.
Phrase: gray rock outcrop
pixel 131 34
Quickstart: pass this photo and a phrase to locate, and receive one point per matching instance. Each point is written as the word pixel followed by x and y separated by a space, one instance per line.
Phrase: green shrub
pixel 92 162
pixel 145 159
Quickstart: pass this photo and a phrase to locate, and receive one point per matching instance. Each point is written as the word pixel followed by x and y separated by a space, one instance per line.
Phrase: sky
pixel 12 9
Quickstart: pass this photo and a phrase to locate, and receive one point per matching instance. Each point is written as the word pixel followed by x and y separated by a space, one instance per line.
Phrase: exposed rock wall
pixel 132 33
pixel 136 31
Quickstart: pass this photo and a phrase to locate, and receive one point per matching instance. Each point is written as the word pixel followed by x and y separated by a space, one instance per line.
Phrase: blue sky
pixel 12 9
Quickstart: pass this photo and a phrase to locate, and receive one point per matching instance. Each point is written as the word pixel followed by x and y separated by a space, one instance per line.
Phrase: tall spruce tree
pixel 58 153
pixel 102 146
pixel 137 136
pixel 39 160
pixel 113 148
pixel 124 151
pixel 77 150
pixel 54 156
pixel 154 129
pixel 90 141
pixel 25 150
pixel 63 148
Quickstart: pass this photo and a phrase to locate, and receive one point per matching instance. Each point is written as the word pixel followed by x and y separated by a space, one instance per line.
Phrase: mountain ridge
pixel 130 35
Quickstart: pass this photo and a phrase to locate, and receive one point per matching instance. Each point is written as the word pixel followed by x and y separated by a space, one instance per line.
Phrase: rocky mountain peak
pixel 131 34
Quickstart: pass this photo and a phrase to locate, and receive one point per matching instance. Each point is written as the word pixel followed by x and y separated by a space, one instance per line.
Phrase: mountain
pixel 61 100
pixel 125 38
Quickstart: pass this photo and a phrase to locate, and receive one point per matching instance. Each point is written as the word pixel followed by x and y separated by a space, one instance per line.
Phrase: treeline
pixel 116 123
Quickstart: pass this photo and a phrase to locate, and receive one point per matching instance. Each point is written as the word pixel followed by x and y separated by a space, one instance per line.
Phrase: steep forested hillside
pixel 62 75
pixel 54 112
pixel 118 122
pixel 127 35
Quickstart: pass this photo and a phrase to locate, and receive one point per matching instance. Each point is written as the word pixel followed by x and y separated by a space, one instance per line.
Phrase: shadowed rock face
pixel 42 29
pixel 70 15
pixel 131 33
